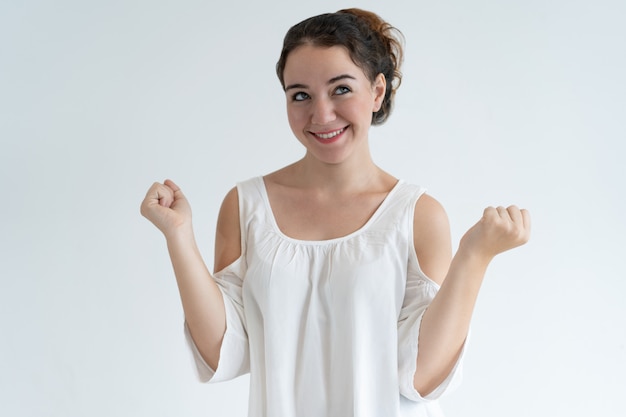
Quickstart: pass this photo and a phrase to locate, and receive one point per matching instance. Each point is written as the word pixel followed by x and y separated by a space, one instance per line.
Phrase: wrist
pixel 179 234
pixel 472 258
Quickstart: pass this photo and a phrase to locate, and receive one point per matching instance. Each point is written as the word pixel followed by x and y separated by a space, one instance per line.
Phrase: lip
pixel 336 135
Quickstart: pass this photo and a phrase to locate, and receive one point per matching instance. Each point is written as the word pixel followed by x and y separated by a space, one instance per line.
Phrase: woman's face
pixel 330 102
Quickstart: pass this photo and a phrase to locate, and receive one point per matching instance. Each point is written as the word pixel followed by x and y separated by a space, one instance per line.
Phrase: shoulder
pixel 228 234
pixel 429 213
pixel 231 200
pixel 431 238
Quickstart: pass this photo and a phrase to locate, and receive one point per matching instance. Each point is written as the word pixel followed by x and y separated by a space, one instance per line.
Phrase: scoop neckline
pixel 364 227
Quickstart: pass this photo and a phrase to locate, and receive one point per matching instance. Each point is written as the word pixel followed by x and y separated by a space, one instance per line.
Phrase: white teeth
pixel 329 135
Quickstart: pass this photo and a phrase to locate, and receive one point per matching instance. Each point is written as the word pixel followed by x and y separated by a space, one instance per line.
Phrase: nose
pixel 322 111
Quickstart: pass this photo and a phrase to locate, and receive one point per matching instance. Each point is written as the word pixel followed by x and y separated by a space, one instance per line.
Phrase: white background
pixel 502 102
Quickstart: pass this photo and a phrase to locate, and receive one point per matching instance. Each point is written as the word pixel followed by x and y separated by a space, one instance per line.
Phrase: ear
pixel 379 87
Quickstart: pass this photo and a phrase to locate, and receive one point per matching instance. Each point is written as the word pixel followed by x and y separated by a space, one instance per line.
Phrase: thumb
pixel 176 193
pixel 179 202
pixel 172 185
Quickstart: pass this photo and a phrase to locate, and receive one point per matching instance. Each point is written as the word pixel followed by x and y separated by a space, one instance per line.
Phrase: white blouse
pixel 326 328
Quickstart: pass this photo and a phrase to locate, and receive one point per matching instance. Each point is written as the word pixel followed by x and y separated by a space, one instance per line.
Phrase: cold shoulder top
pixel 326 328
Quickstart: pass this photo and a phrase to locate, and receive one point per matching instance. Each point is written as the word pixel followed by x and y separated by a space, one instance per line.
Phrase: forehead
pixel 318 62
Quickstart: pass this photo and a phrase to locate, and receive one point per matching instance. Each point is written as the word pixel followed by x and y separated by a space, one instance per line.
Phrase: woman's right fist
pixel 166 207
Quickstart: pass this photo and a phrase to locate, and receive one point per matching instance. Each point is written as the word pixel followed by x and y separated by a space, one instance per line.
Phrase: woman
pixel 335 285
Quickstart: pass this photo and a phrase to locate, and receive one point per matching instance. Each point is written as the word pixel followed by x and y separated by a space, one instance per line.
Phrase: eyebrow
pixel 331 81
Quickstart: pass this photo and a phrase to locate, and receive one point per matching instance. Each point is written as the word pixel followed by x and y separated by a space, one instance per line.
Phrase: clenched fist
pixel 499 230
pixel 167 208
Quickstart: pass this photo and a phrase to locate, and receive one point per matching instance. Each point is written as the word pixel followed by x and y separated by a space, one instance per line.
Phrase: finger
pixel 503 213
pixel 152 199
pixel 490 212
pixel 154 192
pixel 163 194
pixel 516 215
pixel 526 219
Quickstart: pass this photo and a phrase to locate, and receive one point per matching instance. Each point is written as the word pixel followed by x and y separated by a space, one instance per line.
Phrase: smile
pixel 329 135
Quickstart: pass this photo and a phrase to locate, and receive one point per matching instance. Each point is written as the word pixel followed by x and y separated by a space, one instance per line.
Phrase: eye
pixel 300 96
pixel 341 90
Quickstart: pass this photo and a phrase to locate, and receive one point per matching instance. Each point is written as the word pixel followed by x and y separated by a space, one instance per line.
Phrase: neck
pixel 346 176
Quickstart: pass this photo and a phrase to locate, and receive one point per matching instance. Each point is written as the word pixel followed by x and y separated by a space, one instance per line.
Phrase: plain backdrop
pixel 502 102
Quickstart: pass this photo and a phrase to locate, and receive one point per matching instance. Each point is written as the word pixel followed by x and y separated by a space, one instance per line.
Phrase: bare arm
pixel 446 323
pixel 203 306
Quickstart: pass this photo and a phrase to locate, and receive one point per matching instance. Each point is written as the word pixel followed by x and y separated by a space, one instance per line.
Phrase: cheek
pixel 296 118
pixel 361 110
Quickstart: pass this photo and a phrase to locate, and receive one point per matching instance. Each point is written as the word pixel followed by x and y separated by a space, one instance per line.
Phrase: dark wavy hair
pixel 373 44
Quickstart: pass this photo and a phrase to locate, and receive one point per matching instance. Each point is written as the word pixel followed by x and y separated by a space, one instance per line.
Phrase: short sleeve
pixel 420 291
pixel 234 354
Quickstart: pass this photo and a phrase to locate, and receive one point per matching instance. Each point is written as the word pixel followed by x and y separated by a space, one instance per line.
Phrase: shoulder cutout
pixel 431 238
pixel 228 232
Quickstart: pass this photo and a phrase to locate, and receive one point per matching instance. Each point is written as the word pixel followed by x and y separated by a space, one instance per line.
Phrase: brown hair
pixel 373 44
